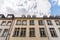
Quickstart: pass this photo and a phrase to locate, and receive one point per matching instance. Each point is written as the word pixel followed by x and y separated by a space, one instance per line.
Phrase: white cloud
pixel 59 2
pixel 19 7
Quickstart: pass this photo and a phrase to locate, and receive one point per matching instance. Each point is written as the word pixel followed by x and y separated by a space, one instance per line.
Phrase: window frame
pixel 23 32
pixel 31 32
pixel 58 22
pixel 3 22
pixel 18 23
pixel 40 22
pixel 23 21
pixel 4 32
pixel 32 22
pixel 9 22
pixel 53 32
pixel 42 32
pixel 16 32
pixel 49 22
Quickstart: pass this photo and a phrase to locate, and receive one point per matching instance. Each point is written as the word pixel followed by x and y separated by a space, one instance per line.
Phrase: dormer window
pixel 23 16
pixel 34 16
pixel 28 16
pixel 10 16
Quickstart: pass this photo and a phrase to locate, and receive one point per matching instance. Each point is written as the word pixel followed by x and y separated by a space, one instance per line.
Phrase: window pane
pixel 9 23
pixel 3 23
pixel 42 32
pixel 16 32
pixel 0 30
pixel 40 22
pixel 9 16
pixel 31 22
pixel 57 22
pixel 24 22
pixel 32 32
pixel 18 22
pixel 59 29
pixel 5 33
pixel 0 22
pixel 53 32
pixel 23 32
pixel 49 22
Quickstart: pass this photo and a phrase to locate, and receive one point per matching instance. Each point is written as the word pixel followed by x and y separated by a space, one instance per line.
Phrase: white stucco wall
pixel 3 27
pixel 56 29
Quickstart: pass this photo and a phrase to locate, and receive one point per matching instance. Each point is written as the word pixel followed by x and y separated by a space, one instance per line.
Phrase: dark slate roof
pixel 2 16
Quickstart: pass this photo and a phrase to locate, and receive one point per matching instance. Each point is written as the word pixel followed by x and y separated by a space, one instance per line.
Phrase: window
pixel 31 22
pixel 5 33
pixel 57 22
pixel 53 33
pixel 0 30
pixel 9 23
pixel 40 22
pixel 59 29
pixel 9 16
pixel 23 32
pixel 49 22
pixel 24 22
pixel 0 22
pixel 32 32
pixel 16 32
pixel 3 23
pixel 18 22
pixel 42 32
pixel 0 16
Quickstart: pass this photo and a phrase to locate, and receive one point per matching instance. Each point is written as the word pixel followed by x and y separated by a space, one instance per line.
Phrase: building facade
pixel 5 25
pixel 30 28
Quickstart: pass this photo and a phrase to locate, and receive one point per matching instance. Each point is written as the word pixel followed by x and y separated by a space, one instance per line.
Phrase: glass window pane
pixel 42 32
pixel 32 32
pixel 31 22
pixel 49 22
pixel 59 29
pixel 0 30
pixel 5 33
pixel 40 22
pixel 53 32
pixel 16 32
pixel 23 32
pixel 0 22
pixel 57 22
pixel 3 23
pixel 24 22
pixel 18 22
pixel 9 23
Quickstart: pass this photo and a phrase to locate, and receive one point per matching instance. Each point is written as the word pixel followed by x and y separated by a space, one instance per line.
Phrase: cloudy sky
pixel 55 7
pixel 32 7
